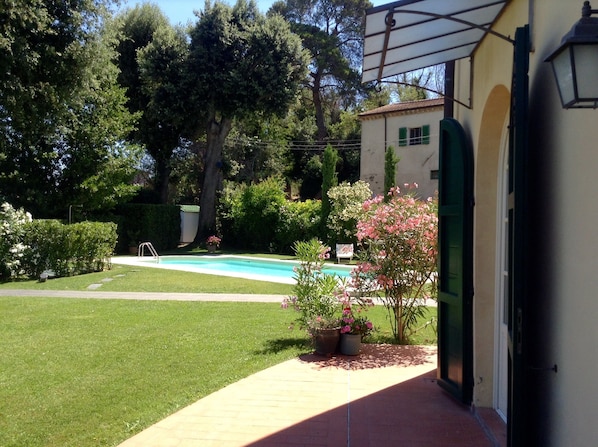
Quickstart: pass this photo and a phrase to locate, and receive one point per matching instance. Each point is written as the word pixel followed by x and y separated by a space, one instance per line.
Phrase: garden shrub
pixel 67 249
pixel 228 209
pixel 346 208
pixel 298 221
pixel 260 217
pixel 399 249
pixel 12 227
pixel 390 170
pixel 257 213
pixel 329 180
pixel 311 181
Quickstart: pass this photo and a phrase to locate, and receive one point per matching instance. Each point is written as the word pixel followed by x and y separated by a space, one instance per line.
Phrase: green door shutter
pixel 426 134
pixel 403 136
pixel 455 269
pixel 517 418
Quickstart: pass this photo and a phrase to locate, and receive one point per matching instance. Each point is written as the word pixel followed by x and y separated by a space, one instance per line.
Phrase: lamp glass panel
pixel 561 64
pixel 585 58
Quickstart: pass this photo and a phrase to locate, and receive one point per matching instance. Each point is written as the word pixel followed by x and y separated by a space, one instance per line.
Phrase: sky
pixel 181 11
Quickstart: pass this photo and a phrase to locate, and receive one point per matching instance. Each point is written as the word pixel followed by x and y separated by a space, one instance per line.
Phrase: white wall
pixel 416 162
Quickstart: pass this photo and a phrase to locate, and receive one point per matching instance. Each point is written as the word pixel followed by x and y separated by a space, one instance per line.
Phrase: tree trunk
pixel 217 133
pixel 319 108
pixel 162 180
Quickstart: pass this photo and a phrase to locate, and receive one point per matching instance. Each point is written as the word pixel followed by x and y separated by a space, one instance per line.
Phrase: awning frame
pixel 390 22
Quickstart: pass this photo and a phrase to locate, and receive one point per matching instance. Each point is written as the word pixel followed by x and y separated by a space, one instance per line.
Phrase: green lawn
pixel 123 278
pixel 80 372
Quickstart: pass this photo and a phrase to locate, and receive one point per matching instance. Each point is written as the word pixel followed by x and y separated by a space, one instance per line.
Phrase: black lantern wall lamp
pixel 575 62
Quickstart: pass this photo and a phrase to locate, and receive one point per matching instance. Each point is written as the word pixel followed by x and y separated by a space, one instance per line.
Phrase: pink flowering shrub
pixel 213 240
pixel 398 242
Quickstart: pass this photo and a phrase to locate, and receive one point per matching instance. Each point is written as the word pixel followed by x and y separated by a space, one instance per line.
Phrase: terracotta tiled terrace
pixel 386 396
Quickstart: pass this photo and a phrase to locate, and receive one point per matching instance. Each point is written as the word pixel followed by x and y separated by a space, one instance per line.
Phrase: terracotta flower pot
pixel 326 341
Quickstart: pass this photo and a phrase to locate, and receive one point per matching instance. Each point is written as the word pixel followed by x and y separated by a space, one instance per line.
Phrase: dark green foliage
pixel 311 184
pixel 259 217
pixel 329 180
pixel 240 63
pixel 158 224
pixel 299 221
pixel 332 31
pixel 67 250
pixel 152 60
pixel 62 115
pixel 258 214
pixel 390 169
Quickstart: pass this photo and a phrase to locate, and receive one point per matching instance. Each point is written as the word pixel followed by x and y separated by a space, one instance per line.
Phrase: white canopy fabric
pixel 411 34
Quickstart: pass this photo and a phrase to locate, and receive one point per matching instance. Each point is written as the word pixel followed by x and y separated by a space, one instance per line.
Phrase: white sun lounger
pixel 344 251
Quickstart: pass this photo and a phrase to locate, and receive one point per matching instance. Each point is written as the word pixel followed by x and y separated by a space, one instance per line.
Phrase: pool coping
pixel 145 261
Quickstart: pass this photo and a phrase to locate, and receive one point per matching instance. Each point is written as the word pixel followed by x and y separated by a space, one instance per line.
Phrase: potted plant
pixel 212 243
pixel 354 328
pixel 133 243
pixel 315 296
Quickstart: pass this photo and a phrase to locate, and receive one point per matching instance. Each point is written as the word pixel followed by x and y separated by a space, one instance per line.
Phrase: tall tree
pixel 332 30
pixel 240 63
pixel 152 58
pixel 61 115
pixel 419 84
pixel 329 180
pixel 162 73
pixel 390 171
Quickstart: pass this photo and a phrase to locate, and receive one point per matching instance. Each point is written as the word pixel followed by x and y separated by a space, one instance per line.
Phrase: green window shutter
pixel 426 134
pixel 403 136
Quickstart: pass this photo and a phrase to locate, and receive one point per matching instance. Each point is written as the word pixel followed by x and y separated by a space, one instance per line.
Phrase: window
pixel 411 136
pixel 415 136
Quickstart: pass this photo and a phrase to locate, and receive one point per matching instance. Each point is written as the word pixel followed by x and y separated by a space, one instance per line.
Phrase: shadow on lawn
pixel 283 344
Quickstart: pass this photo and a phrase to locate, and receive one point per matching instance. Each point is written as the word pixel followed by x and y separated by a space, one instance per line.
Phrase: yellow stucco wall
pixel 569 138
pixel 486 123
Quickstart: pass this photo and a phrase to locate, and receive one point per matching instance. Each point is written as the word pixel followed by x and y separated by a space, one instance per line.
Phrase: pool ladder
pixel 151 249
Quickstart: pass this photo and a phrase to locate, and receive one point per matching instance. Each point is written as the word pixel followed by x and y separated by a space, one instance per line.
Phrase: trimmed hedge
pixel 158 224
pixel 67 249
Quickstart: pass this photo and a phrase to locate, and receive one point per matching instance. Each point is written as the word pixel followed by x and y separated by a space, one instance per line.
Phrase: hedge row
pixel 158 224
pixel 67 249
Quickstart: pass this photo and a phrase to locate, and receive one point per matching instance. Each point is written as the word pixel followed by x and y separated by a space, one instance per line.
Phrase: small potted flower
pixel 212 243
pixel 354 328
pixel 315 297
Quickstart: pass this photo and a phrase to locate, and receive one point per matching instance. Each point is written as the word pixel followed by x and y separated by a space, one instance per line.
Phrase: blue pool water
pixel 245 267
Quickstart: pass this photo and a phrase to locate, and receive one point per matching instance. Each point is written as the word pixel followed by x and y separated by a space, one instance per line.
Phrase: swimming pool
pixel 260 269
